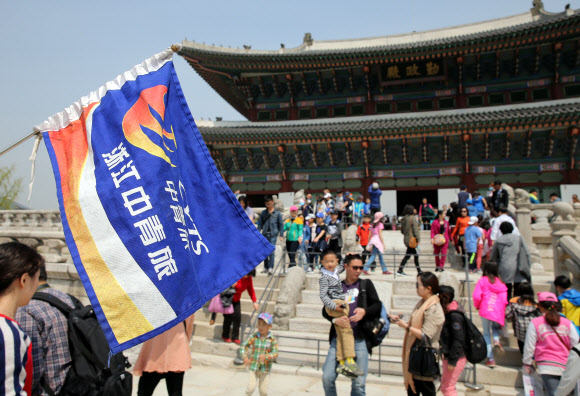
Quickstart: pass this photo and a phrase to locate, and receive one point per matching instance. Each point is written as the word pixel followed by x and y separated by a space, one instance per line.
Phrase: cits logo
pixel 143 124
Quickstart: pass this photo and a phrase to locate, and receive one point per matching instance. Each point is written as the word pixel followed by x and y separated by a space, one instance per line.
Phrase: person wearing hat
pixel 293 229
pixel 329 201
pixel 471 239
pixel 549 340
pixel 260 350
pixel 375 196
pixel 335 232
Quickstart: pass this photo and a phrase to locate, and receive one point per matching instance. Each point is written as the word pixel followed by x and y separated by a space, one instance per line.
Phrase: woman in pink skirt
pixel 166 356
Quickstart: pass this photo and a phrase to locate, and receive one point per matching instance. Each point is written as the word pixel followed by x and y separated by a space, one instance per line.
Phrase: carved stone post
pixel 563 225
pixel 576 207
pixel 524 222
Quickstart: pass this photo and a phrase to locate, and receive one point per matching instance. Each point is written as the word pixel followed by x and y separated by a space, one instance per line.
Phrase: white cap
pixel 310 216
pixel 375 185
pixel 472 220
pixel 327 195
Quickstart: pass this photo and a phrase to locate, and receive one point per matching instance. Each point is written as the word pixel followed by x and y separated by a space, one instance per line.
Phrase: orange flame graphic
pixel 140 116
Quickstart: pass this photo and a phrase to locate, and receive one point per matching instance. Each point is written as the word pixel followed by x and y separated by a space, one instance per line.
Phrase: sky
pixel 56 52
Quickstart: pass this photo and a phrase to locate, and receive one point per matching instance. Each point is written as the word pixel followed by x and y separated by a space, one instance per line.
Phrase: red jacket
pixel 243 284
pixel 364 232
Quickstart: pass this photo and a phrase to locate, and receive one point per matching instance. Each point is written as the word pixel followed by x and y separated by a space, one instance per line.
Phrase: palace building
pixel 424 111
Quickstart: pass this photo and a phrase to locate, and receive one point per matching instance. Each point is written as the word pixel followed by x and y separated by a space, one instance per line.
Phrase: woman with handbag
pixel 234 320
pixel 440 237
pixel 410 230
pixel 549 340
pixel 420 345
pixel 222 303
pixel 378 245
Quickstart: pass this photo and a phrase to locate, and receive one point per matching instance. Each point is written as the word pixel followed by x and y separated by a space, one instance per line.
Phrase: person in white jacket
pixel 571 375
pixel 503 217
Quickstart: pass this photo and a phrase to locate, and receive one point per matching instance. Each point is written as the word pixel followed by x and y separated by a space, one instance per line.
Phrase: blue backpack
pixel 377 328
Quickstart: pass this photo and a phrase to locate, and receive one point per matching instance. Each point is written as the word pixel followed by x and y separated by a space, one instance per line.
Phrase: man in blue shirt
pixel 375 195
pixel 471 239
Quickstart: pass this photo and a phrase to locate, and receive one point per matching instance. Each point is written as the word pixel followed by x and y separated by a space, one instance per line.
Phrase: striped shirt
pixel 331 287
pixel 15 359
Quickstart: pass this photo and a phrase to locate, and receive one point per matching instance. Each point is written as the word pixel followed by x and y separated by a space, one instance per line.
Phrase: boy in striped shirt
pixel 262 348
pixel 333 298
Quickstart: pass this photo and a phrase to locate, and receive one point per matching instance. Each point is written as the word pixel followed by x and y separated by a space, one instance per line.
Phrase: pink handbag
pixel 216 306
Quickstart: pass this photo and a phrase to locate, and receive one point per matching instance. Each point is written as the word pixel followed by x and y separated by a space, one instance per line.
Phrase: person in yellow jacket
pixel 569 298
pixel 293 229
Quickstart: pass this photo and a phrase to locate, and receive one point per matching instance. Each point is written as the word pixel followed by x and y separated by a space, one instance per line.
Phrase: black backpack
pixel 375 329
pixel 91 372
pixel 475 345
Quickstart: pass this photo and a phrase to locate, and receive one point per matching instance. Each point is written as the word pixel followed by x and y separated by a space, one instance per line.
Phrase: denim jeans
pixel 329 369
pixel 551 382
pixel 371 259
pixel 269 261
pixel 489 327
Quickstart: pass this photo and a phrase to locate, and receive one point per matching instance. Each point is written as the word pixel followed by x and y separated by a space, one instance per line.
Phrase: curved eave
pixel 564 113
pixel 555 27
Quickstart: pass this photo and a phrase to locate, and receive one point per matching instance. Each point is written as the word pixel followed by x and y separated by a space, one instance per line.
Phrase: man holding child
pixel 353 290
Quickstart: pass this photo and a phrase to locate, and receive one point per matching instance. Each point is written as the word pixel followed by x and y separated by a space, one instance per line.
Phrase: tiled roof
pixel 544 112
pixel 434 38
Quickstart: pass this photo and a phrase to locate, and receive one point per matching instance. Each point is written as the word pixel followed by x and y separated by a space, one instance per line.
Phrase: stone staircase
pixel 207 338
pixel 306 342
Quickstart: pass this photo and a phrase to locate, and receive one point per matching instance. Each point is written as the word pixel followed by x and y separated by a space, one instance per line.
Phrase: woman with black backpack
pixel 452 341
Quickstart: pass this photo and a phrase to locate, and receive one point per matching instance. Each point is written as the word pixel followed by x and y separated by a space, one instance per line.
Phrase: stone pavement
pixel 219 376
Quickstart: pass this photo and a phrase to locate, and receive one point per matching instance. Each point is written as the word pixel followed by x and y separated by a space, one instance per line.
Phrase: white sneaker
pixel 270 271
pixel 309 270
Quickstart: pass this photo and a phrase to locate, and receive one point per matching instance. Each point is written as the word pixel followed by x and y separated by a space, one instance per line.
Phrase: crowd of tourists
pixel 35 332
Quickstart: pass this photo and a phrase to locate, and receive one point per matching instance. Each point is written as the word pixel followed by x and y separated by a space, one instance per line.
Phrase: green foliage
pixel 9 187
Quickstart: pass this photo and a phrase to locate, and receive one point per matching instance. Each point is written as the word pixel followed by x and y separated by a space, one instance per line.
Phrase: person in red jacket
pixel 440 226
pixel 363 233
pixel 246 283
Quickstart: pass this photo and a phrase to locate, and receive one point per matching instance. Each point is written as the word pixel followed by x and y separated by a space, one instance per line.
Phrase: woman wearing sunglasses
pixel 426 319
pixel 459 231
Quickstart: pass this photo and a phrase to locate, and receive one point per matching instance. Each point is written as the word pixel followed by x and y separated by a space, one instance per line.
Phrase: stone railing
pixel 566 246
pixel 42 230
pixel 45 220
pixel 543 213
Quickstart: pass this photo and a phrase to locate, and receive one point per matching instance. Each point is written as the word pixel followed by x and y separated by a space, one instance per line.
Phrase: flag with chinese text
pixel 153 229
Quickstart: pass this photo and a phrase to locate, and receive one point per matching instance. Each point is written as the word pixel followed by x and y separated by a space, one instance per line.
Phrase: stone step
pixel 261 280
pixel 311 297
pixel 309 310
pixel 202 327
pixel 310 325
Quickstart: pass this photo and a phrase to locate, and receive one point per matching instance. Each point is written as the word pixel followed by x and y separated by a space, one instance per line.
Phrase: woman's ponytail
pixel 552 316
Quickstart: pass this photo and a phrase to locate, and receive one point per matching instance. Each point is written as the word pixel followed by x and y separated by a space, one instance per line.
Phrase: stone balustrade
pixel 543 213
pixel 566 247
pixel 42 230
